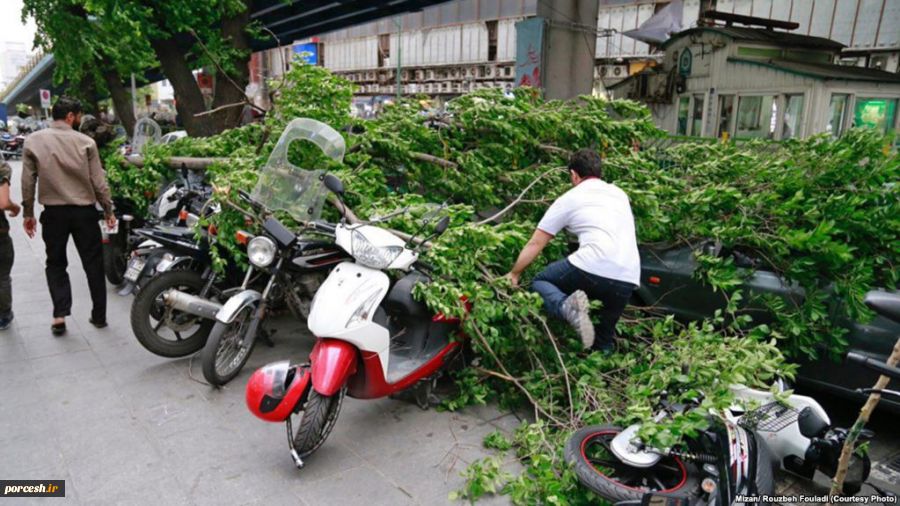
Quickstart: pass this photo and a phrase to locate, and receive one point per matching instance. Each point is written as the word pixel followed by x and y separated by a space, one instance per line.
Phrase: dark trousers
pixel 7 256
pixel 81 222
pixel 561 278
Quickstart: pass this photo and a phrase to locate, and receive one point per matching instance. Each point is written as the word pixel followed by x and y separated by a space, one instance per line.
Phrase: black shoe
pixel 604 347
pixel 6 321
pixel 58 329
pixel 98 324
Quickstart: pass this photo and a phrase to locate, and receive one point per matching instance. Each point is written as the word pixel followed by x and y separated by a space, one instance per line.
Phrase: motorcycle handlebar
pixel 875 365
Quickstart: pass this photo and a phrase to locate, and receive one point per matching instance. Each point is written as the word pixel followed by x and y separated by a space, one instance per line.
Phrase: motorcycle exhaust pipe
pixel 191 304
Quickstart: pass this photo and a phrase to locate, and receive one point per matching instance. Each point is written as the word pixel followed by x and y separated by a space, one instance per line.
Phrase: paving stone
pixel 360 485
pixel 56 365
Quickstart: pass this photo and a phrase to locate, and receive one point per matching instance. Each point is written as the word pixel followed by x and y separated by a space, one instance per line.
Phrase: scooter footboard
pixel 332 362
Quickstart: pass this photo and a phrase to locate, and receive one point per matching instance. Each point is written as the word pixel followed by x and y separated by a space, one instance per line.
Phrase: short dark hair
pixel 64 105
pixel 586 162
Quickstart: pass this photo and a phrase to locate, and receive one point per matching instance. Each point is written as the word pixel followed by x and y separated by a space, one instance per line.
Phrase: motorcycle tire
pixel 684 480
pixel 143 306
pixel 318 418
pixel 215 371
pixel 115 262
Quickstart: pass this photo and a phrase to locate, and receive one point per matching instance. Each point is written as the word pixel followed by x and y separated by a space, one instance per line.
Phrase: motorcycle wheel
pixel 227 349
pixel 155 335
pixel 115 262
pixel 317 420
pixel 597 468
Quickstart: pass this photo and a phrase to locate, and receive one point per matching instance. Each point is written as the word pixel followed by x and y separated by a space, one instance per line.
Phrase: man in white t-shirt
pixel 606 266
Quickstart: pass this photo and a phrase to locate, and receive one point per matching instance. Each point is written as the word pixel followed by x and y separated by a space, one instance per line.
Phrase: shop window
pixel 697 116
pixel 838 113
pixel 384 49
pixel 492 40
pixel 878 113
pixel 757 117
pixel 726 115
pixel 684 110
pixel 793 115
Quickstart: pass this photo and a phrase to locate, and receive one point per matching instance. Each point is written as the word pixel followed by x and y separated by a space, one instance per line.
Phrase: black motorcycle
pixel 292 269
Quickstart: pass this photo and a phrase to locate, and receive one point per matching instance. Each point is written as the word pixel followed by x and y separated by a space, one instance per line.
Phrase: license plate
pixel 106 230
pixel 135 266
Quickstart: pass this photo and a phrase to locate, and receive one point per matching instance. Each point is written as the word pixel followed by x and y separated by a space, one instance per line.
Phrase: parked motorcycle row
pixel 352 284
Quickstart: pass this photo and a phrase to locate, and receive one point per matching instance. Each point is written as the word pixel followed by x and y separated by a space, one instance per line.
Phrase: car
pixel 172 136
pixel 668 285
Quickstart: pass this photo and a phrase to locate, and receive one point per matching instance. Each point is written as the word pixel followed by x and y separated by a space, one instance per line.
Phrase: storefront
pixel 759 83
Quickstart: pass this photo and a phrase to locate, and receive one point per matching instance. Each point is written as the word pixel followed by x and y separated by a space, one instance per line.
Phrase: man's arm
pixel 29 181
pixel 532 250
pixel 98 180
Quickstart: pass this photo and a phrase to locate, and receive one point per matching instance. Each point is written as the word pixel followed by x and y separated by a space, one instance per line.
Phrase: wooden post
pixel 837 484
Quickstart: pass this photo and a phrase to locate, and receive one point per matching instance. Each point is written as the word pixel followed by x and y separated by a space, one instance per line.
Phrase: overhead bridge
pixel 284 21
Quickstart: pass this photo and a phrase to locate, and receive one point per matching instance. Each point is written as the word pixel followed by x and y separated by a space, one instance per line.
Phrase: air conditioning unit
pixel 370 76
pixel 506 71
pixel 420 74
pixel 470 72
pixel 445 87
pixel 404 75
pixel 487 84
pixel 429 75
pixel 456 88
pixel 613 71
pixel 454 73
pixel 489 71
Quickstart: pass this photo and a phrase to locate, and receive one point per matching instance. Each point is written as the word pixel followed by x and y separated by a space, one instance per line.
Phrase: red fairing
pixel 370 382
pixel 333 361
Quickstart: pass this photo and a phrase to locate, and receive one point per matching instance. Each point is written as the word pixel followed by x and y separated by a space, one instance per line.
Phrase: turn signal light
pixel 183 215
pixel 708 485
pixel 242 237
pixel 654 280
pixel 212 229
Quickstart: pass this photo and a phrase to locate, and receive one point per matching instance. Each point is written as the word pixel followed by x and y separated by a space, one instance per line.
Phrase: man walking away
pixel 606 266
pixel 7 254
pixel 65 165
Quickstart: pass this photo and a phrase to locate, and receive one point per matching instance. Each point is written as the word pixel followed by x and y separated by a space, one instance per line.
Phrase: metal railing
pixel 23 72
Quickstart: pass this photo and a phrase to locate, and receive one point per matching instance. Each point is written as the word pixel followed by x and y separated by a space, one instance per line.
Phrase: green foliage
pixel 821 212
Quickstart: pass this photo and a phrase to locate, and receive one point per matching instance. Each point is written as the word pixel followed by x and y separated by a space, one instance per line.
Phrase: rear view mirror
pixel 442 225
pixel 334 184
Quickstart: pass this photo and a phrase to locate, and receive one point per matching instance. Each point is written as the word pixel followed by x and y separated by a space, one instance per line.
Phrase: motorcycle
pixel 295 266
pixel 373 338
pixel 11 145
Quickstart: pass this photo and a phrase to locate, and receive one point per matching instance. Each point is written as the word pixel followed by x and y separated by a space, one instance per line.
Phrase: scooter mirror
pixel 442 225
pixel 334 184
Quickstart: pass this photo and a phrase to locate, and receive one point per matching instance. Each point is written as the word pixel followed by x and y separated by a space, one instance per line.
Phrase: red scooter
pixel 374 338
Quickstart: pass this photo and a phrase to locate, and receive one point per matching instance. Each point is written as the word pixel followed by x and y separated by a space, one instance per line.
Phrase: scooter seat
pixel 884 303
pixel 400 302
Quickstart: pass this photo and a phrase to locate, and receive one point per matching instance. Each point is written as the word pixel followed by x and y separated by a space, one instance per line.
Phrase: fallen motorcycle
pixel 374 339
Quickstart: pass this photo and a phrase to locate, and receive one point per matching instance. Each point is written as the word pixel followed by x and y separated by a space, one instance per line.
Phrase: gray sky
pixel 11 27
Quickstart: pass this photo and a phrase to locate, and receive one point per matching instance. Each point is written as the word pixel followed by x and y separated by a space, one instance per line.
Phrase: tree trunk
pixel 231 88
pixel 188 98
pixel 121 98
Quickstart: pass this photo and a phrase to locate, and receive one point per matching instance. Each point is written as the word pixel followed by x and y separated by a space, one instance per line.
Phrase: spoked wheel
pixel 163 330
pixel 228 347
pixel 588 452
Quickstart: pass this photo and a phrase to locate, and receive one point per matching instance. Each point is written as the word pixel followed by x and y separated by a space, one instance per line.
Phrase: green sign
pixel 875 113
pixel 685 61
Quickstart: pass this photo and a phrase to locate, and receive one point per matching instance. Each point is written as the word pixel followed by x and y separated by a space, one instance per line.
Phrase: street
pixel 123 426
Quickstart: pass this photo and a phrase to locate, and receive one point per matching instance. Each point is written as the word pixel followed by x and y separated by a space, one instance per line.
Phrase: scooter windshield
pixel 284 186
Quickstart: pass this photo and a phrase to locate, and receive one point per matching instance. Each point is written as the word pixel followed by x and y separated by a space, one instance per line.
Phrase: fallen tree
pixel 821 212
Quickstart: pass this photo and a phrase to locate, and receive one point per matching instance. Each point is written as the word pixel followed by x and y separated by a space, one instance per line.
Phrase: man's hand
pixel 30 226
pixel 110 221
pixel 513 279
pixel 14 209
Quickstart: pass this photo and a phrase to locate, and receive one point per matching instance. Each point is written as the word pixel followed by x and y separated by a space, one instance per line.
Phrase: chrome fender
pixel 236 303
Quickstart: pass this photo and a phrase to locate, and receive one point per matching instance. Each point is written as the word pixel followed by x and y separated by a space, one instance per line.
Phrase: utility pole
pixel 399 21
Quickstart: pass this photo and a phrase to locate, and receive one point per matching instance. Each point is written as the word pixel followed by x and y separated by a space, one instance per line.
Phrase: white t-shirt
pixel 600 215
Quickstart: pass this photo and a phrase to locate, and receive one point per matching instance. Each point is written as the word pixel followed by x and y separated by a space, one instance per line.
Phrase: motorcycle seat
pixel 400 302
pixel 884 303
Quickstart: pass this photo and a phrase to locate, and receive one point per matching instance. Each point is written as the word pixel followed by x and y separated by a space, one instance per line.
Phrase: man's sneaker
pixel 605 347
pixel 6 321
pixel 575 311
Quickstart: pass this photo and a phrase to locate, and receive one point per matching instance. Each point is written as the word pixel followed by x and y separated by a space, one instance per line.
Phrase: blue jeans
pixel 561 278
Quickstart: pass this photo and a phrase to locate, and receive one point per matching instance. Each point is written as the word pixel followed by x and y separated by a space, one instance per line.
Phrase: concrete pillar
pixel 570 45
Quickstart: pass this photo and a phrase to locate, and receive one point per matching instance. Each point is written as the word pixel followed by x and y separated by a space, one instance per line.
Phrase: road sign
pixel 45 99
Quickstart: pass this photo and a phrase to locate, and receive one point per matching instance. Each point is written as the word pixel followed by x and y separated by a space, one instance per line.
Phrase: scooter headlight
pixel 261 251
pixel 376 257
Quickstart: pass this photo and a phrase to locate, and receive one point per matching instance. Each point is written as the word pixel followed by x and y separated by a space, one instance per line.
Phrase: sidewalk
pixel 123 426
